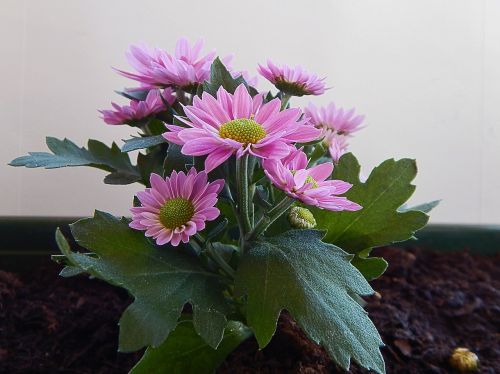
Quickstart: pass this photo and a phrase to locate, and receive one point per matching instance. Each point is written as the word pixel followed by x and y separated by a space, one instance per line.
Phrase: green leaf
pixel 370 267
pixel 185 352
pixel 313 280
pixel 176 160
pixel 425 207
pixel 379 222
pixel 152 162
pixel 156 126
pixel 70 271
pixel 66 153
pixel 161 279
pixel 220 76
pixel 120 178
pixel 137 95
pixel 142 142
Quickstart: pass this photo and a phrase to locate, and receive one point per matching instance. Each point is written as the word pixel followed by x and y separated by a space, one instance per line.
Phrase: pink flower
pixel 157 68
pixel 309 185
pixel 294 81
pixel 337 145
pixel 336 125
pixel 239 124
pixel 176 207
pixel 138 110
pixel 334 119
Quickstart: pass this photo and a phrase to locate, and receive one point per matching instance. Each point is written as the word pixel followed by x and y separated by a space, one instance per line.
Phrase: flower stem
pixel 270 217
pixel 243 196
pixel 217 258
pixel 284 100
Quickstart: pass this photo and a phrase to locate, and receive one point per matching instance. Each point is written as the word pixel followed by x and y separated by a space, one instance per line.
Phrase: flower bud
pixel 301 218
pixel 464 360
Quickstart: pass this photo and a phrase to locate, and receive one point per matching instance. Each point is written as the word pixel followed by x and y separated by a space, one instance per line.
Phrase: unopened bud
pixel 301 218
pixel 464 360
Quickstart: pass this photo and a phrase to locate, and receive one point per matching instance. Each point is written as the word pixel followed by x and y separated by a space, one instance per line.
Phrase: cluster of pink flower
pixel 231 124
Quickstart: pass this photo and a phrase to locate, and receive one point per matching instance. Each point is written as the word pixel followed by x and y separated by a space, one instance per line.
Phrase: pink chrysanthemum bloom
pixel 239 124
pixel 337 145
pixel 336 124
pixel 176 207
pixel 309 185
pixel 156 68
pixel 137 111
pixel 334 119
pixel 294 81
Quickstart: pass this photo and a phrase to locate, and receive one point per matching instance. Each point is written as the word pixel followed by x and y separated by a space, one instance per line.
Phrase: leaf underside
pixel 65 153
pixel 136 143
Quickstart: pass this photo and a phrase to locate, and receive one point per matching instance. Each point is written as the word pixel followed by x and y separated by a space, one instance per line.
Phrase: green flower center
pixel 243 130
pixel 311 180
pixel 176 212
pixel 291 88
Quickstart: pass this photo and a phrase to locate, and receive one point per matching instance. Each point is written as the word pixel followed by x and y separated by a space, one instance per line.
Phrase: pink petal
pixel 216 158
pixel 321 172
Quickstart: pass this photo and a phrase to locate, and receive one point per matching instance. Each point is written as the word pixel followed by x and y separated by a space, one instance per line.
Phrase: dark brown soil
pixel 50 324
pixel 429 304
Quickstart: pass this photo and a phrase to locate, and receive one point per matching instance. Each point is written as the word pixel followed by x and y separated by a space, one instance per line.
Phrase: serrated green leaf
pixel 220 76
pixel 142 142
pixel 65 153
pixel 185 352
pixel 161 279
pixel 370 267
pixel 379 222
pixel 313 280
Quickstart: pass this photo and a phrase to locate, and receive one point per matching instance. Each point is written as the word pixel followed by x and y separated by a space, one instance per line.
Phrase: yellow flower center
pixel 176 212
pixel 301 218
pixel 243 130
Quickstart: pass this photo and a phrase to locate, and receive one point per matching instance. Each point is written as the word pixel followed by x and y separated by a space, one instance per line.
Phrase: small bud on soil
pixel 301 218
pixel 464 360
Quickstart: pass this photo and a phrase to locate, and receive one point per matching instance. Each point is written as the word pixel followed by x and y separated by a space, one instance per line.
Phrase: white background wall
pixel 426 73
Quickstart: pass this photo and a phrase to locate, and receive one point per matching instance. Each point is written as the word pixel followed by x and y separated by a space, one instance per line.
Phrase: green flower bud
pixel 301 218
pixel 464 360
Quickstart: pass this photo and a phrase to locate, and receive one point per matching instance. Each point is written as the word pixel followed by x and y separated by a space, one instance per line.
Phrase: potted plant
pixel 250 207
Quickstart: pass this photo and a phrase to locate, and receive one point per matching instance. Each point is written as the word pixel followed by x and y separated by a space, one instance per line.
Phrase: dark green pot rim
pixel 34 236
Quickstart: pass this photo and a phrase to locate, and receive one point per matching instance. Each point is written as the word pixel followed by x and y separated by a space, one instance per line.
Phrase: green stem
pixel 250 203
pixel 243 196
pixel 217 258
pixel 271 216
pixel 285 99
